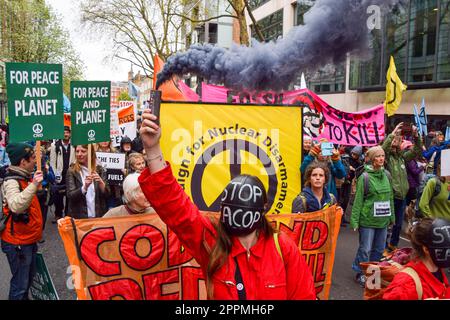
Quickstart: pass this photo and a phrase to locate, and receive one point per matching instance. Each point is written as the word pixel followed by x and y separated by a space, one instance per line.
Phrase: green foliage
pixel 31 32
pixel 124 96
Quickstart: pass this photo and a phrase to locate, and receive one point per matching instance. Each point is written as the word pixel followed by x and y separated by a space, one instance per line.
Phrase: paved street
pixel 343 288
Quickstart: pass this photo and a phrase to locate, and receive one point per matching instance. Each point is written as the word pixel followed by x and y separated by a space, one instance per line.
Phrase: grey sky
pixel 91 47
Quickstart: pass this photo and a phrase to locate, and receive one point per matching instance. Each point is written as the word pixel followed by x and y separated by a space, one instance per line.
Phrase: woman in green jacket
pixel 372 211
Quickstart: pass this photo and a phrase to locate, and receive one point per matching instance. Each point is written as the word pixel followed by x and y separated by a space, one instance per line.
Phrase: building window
pixel 271 26
pixel 366 74
pixel 396 41
pixel 422 34
pixel 301 8
pixel 417 36
pixel 330 79
pixel 253 4
pixel 443 71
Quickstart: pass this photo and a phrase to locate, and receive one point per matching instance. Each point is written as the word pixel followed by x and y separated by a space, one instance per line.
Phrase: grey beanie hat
pixel 357 150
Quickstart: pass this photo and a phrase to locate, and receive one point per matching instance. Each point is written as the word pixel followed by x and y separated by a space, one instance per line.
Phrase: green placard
pixel 42 287
pixel 90 102
pixel 35 101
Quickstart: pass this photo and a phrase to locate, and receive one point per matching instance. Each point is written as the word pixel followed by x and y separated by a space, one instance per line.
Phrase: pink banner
pixel 188 92
pixel 320 120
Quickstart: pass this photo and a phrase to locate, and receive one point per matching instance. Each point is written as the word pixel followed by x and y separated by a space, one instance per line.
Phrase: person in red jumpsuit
pixel 241 257
pixel 431 243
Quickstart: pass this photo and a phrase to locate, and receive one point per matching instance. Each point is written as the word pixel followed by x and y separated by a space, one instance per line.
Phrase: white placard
pixel 111 160
pixel 445 163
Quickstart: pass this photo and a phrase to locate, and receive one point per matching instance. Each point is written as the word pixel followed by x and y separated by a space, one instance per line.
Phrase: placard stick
pixel 89 158
pixel 37 151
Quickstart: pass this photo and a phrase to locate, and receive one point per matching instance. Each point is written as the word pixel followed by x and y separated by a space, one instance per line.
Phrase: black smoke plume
pixel 332 29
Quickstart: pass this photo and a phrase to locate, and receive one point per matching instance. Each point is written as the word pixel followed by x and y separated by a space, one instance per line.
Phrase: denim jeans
pixel 22 262
pixel 371 246
pixel 399 209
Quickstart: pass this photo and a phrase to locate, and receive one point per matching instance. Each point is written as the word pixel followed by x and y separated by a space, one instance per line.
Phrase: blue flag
pixel 423 118
pixel 133 90
pixel 417 120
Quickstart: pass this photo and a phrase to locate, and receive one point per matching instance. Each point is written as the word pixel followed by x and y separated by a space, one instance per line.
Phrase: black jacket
pixel 77 207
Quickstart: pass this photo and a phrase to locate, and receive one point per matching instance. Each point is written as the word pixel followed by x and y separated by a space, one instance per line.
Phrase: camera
pixel 21 217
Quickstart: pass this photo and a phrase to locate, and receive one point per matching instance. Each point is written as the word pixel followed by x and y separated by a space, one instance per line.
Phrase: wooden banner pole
pixel 89 158
pixel 38 153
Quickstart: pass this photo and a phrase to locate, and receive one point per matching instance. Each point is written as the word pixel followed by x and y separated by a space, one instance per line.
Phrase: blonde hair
pixel 133 157
pixel 111 148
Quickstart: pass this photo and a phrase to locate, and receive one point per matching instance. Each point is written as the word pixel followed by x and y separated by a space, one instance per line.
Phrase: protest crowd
pixel 382 189
pixel 133 215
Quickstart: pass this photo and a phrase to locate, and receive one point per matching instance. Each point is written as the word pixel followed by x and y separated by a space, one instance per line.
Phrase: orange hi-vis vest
pixel 21 233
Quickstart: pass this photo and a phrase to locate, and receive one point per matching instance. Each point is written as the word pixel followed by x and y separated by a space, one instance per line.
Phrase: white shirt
pixel 89 193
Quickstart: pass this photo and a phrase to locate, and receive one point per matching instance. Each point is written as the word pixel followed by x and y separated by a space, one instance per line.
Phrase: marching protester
pixel 24 218
pixel 134 200
pixel 414 170
pixel 4 135
pixel 44 193
pixel 396 160
pixel 372 211
pixel 125 147
pixel 115 191
pixel 334 163
pixel 307 144
pixel 433 154
pixel 136 145
pixel 136 162
pixel 435 199
pixel 314 196
pixel 424 276
pixel 86 191
pixel 4 159
pixel 62 154
pixel 105 147
pixel 228 250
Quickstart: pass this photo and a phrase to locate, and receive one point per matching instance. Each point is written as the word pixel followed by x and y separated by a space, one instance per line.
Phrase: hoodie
pixel 380 194
pixel 312 203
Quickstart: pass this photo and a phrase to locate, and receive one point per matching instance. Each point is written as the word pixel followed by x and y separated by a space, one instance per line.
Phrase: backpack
pixel 387 269
pixel 4 217
pixel 365 175
pixel 437 190
pixel 305 203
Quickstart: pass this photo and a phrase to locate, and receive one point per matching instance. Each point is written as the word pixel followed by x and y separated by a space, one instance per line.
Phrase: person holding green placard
pixel 22 225
pixel 86 191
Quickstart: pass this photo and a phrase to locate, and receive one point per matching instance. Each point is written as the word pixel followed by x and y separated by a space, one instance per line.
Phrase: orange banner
pixel 67 120
pixel 137 257
pixel 126 114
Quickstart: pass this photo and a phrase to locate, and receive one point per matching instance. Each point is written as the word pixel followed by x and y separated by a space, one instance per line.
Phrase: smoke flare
pixel 332 29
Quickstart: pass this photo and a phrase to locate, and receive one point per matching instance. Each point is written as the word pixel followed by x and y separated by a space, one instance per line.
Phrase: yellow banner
pixel 209 144
pixel 137 257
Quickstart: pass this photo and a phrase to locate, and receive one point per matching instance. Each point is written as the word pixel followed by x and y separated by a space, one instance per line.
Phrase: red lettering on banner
pixel 129 242
pixel 319 275
pixel 154 282
pixel 310 234
pixel 190 282
pixel 295 232
pixel 177 255
pixel 127 289
pixel 89 252
pixel 319 289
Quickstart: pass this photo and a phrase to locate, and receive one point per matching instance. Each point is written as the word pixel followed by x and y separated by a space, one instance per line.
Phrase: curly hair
pixel 316 165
